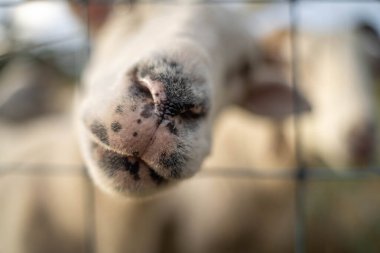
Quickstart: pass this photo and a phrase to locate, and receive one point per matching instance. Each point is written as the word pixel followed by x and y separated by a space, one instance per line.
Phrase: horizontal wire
pixel 209 172
pixel 28 48
pixel 40 169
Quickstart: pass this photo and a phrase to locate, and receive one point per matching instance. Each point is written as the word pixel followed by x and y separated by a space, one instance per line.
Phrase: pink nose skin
pixel 131 122
pixel 362 141
pixel 134 128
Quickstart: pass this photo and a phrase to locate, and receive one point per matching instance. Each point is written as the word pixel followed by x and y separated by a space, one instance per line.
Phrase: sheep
pixel 157 78
pixel 337 73
pixel 339 135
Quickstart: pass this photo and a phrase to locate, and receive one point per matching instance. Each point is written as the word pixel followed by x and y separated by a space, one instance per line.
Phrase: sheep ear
pixel 275 101
pixel 267 92
pixel 369 39
pixel 91 13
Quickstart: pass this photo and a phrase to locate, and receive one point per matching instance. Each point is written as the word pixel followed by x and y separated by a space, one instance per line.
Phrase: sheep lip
pixel 96 140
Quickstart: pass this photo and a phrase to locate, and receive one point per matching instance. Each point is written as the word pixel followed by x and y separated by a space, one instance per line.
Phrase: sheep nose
pixel 362 141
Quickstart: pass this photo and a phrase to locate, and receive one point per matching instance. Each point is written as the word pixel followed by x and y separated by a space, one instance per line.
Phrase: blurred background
pixel 300 184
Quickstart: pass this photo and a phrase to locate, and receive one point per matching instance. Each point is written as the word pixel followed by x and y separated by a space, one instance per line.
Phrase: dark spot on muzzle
pixel 174 162
pixel 100 131
pixel 147 110
pixel 119 109
pixel 172 128
pixel 116 126
pixel 155 177
pixel 112 162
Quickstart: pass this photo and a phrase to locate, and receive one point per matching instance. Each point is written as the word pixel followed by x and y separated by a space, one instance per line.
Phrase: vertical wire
pixel 88 30
pixel 300 173
pixel 90 210
pixel 89 214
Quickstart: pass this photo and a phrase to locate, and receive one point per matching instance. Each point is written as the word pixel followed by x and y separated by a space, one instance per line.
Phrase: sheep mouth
pixel 126 173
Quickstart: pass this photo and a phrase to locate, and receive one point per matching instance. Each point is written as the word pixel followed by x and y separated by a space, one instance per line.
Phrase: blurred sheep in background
pixel 337 70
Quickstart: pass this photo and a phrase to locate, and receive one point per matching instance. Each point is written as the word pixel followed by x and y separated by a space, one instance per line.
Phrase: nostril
pixel 138 88
pixel 183 110
pixel 154 89
pixel 194 112
pixel 144 89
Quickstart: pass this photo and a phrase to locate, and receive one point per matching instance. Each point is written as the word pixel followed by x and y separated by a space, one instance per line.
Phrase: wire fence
pixel 301 174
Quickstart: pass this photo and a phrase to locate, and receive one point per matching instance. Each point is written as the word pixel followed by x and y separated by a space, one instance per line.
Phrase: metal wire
pixel 90 209
pixel 300 187
pixel 24 49
pixel 317 174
